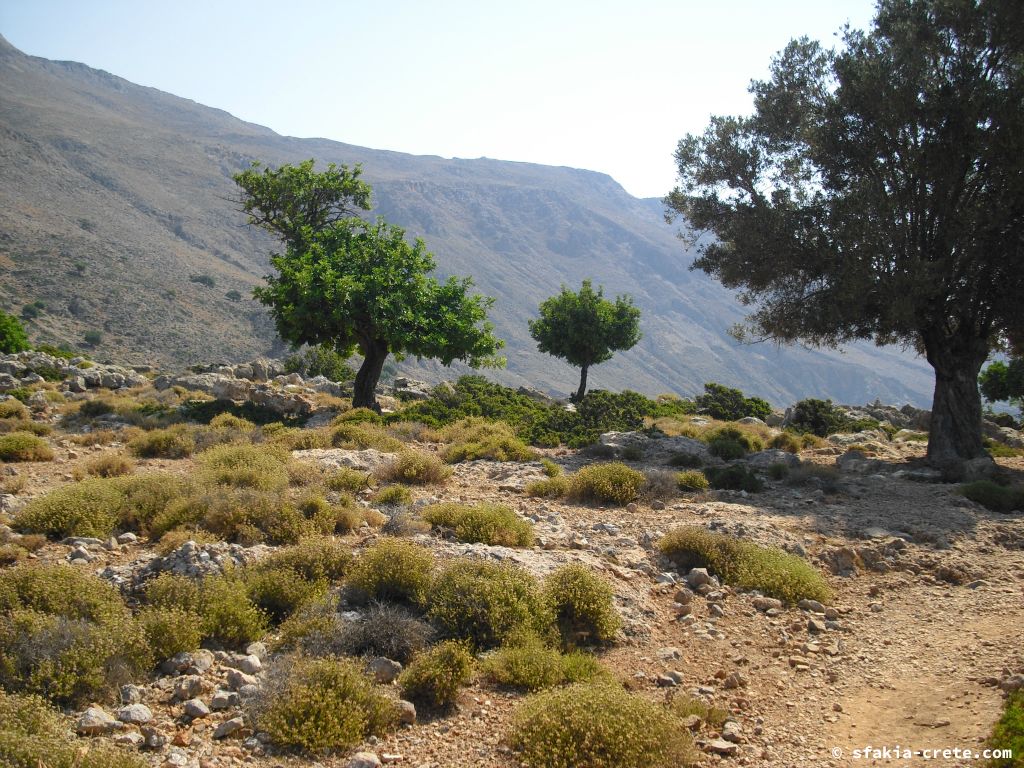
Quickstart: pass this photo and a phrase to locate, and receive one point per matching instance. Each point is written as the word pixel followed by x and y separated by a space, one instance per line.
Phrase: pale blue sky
pixel 609 86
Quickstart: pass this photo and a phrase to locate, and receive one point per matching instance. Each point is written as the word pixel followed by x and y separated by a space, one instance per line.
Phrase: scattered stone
pixel 384 670
pixel 767 603
pixel 811 605
pixel 196 708
pixel 188 687
pixel 153 737
pixel 815 625
pixel 131 694
pixel 733 681
pixel 721 747
pixel 237 679
pixel 228 727
pixel 224 700
pixel 130 739
pixel 137 714
pixel 732 731
pixel 697 577
pixel 406 712
pixel 363 760
pixel 96 722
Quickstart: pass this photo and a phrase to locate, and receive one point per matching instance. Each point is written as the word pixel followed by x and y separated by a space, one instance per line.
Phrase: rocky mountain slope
pixel 118 215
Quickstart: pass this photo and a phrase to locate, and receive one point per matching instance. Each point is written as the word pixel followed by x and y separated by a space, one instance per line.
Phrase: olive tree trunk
pixel 955 435
pixel 364 392
pixel 583 384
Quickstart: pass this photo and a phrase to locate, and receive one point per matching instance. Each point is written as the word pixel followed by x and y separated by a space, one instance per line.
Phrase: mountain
pixel 118 215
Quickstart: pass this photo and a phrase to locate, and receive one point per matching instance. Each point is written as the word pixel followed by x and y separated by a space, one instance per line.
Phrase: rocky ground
pixel 914 652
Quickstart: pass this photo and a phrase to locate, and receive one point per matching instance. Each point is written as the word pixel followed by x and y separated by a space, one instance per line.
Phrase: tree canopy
pixel 585 328
pixel 357 285
pixel 877 192
pixel 12 335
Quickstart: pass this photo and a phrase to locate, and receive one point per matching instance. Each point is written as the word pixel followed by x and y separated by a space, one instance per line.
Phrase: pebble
pixel 237 679
pixel 154 738
pixel 188 687
pixel 131 694
pixel 196 708
pixel 721 747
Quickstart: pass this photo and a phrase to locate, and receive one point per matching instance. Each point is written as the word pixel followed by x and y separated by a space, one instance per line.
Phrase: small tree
pixel 1004 382
pixel 350 284
pixel 12 335
pixel 585 328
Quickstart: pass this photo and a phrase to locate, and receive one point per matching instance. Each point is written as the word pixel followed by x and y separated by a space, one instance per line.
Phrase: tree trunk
pixel 364 392
pixel 583 384
pixel 955 435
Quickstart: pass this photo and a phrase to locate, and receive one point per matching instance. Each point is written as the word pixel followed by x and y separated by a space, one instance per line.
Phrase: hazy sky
pixel 609 86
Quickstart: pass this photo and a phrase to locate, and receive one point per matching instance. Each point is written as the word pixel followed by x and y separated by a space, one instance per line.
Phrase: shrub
pixel 728 443
pixel 109 464
pixel 734 478
pixel 992 496
pixel 382 629
pixel 170 631
pixel 582 605
pixel 691 460
pixel 778 471
pixel 728 404
pixel 744 564
pixel 175 442
pixel 487 603
pixel 228 615
pixel 611 483
pixel 483 523
pixel 32 734
pixel 599 726
pixel 244 466
pixel 659 484
pixel 320 361
pixel 393 571
pixel 414 468
pixel 475 438
pixel 321 704
pixel 818 417
pixel 92 338
pixel 685 706
pixel 825 478
pixel 551 469
pixel 36 428
pixel 531 665
pixel 241 515
pixel 172 591
pixel 315 559
pixel 13 408
pixel 12 335
pixel 434 678
pixel 1008 733
pixel 692 480
pixel 356 435
pixel 279 591
pixel 392 495
pixel 147 496
pixel 347 479
pixel 88 508
pixel 21 446
pixel 553 487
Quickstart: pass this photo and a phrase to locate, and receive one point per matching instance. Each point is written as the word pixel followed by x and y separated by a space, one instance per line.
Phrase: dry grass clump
pixel 22 446
pixel 791 442
pixel 319 704
pixel 610 483
pixel 95 437
pixel 551 488
pixel 414 468
pixel 493 524
pixel 298 439
pixel 244 466
pixel 358 436
pixel 13 484
pixel 477 438
pixel 600 726
pixel 659 484
pixel 583 606
pixel 107 464
pixel 685 706
pixel 745 565
pixel 393 570
pixel 381 629
pixel 551 469
pixel 174 442
pixel 12 408
pixel 413 431
pixel 33 734
pixel 434 677
pixel 487 603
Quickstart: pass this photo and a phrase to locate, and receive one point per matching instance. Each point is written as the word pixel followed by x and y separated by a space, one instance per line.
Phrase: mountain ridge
pixel 117 197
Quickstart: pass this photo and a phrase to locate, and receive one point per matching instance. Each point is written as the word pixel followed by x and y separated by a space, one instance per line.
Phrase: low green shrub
pixel 171 591
pixel 551 488
pixel 12 408
pixel 484 523
pixel 109 464
pixel 729 443
pixel 529 665
pixel 244 466
pixel 778 471
pixel 392 495
pixel 998 498
pixel 246 516
pixel 691 460
pixel 170 631
pixel 735 477
pixel 87 508
pixel 551 469
pixel 279 591
pixel 995 449
pixel 315 559
pixel 685 706
pixel 357 435
pixel 599 726
pixel 728 404
pixel 611 483
pixel 817 417
pixel 347 479
pixel 476 438
pixel 486 603
pixel 393 570
pixel 319 704
pixel 414 468
pixel 745 565
pixel 21 446
pixel 229 617
pixel 693 480
pixel 174 442
pixel 34 735
pixel 583 606
pixel 1008 734
pixel 433 678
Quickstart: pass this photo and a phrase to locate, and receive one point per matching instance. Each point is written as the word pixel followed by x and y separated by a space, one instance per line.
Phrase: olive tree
pixel 877 192
pixel 585 329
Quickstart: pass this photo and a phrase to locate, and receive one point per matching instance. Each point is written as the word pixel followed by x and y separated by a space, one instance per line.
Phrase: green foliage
pixel 320 360
pixel 315 559
pixel 995 449
pixel 279 591
pixel 205 280
pixel 175 442
pixel 1008 733
pixel 484 523
pixel 551 469
pixel 321 704
pixel 87 508
pixel 692 480
pixel 434 678
pixel 415 468
pixel 358 435
pixel 347 283
pixel 171 591
pixel 244 466
pixel 21 446
pixel 584 328
pixel 92 338
pixel 229 617
pixel 610 483
pixel 552 488
pixel 170 631
pixel 347 479
pixel 32 734
pixel 1003 381
pixel 12 335
pixel 392 495
pixel 685 706
pixel 728 404
pixel 530 666
pixel 233 295
pixel 735 477
pixel 393 570
pixel 599 726
pixel 13 408
pixel 744 564
pixel 486 603
pixel 998 498
pixel 817 417
pixel 583 606
pixel 476 438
